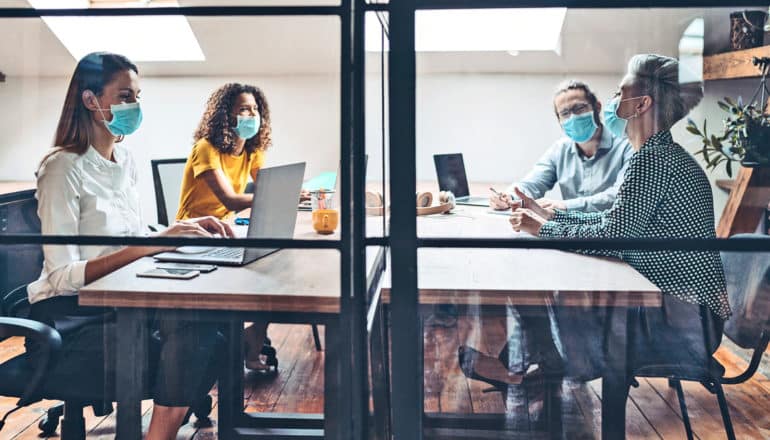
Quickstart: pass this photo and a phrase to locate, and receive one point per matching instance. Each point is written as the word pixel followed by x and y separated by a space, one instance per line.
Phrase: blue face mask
pixel 614 123
pixel 126 118
pixel 580 128
pixel 248 126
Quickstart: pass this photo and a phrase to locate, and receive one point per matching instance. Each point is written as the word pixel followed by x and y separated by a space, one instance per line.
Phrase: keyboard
pixel 225 253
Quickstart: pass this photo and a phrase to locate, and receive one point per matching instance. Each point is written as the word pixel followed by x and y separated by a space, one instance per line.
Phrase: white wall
pixel 304 112
pixel 500 122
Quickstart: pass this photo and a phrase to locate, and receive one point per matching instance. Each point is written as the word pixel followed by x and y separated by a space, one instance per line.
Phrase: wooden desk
pixel 516 276
pixel 289 286
pixel 495 278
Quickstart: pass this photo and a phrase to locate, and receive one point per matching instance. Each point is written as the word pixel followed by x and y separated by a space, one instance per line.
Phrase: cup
pixel 325 216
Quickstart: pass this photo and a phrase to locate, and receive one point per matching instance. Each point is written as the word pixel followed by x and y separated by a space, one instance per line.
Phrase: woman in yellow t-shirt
pixel 230 145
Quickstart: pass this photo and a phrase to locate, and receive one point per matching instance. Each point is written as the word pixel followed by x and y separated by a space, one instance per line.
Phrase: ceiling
pixel 593 41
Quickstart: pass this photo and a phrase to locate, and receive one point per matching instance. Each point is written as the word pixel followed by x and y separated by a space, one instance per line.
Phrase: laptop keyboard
pixel 225 253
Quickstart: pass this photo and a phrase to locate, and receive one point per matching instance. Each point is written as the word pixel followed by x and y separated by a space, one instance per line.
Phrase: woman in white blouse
pixel 87 186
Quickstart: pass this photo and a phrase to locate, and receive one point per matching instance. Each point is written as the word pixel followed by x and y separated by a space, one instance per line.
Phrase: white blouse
pixel 82 195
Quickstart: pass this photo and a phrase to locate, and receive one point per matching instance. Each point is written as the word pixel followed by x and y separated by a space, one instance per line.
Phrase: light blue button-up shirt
pixel 587 184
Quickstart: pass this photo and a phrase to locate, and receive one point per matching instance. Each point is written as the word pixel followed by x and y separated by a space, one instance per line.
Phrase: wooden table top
pixel 516 276
pixel 290 280
pixel 297 280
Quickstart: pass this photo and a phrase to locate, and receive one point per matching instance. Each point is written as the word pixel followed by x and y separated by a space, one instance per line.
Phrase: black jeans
pixel 573 341
pixel 183 360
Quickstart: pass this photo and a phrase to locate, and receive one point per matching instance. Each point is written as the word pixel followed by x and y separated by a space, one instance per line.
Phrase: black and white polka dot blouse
pixel 665 194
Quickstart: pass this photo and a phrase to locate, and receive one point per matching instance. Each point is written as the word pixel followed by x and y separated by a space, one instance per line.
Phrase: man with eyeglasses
pixel 588 163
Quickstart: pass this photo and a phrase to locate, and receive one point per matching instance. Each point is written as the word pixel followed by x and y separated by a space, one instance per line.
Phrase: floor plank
pixel 637 426
pixel 653 410
pixel 664 420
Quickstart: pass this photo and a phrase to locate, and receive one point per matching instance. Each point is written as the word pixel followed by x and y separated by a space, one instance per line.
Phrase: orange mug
pixel 325 220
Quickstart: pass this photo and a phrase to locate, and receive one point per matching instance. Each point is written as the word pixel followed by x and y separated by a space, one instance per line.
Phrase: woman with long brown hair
pixel 87 185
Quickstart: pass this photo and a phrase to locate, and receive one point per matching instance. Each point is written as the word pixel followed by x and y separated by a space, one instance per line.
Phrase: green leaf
pixel 729 169
pixel 716 142
pixel 723 106
pixel 693 129
pixel 729 101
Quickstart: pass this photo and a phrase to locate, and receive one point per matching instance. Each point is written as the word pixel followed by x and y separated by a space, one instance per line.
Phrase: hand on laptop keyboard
pixel 193 249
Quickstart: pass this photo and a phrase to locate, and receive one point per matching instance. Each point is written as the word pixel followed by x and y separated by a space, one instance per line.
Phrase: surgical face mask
pixel 614 123
pixel 248 126
pixel 580 128
pixel 126 118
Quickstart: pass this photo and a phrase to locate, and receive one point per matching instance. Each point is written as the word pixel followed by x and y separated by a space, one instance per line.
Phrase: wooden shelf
pixel 730 65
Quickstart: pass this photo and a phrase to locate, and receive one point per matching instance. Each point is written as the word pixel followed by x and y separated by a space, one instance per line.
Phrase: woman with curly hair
pixel 230 145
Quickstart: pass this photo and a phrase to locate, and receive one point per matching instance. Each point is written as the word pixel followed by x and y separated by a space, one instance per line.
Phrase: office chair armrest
pixel 756 358
pixel 49 341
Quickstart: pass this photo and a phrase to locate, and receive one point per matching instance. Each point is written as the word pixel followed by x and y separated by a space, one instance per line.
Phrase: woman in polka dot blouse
pixel 665 194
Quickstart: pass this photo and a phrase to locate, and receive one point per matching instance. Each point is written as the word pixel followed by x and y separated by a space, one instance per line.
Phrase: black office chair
pixel 20 376
pixel 748 289
pixel 167 179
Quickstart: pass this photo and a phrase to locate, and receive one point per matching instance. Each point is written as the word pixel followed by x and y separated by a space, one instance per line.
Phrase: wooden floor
pixel 652 411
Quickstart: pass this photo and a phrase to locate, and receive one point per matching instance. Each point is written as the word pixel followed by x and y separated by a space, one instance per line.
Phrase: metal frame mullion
pixel 353 298
pixel 189 11
pixel 577 4
pixel 360 388
pixel 407 398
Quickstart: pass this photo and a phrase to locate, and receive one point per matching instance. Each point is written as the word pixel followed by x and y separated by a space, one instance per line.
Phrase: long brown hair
pixel 218 125
pixel 93 72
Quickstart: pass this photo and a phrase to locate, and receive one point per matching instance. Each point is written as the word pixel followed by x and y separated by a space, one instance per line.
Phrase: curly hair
pixel 218 125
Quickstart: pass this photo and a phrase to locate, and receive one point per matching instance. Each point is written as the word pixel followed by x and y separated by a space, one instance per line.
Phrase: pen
pixel 496 193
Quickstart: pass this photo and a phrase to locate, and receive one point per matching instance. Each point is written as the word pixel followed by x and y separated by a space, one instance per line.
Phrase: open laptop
pixel 273 215
pixel 326 180
pixel 450 170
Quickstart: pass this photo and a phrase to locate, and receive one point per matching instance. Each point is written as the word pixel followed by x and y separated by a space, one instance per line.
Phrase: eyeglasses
pixel 576 109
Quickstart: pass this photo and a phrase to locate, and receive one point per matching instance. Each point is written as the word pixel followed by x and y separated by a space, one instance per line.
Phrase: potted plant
pixel 746 137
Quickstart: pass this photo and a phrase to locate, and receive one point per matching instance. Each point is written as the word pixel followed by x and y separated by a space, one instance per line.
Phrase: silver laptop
pixel 273 215
pixel 450 170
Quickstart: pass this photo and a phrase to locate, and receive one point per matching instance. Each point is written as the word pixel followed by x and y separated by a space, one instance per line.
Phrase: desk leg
pixel 615 380
pixel 131 358
pixel 333 426
pixel 230 389
pixel 380 377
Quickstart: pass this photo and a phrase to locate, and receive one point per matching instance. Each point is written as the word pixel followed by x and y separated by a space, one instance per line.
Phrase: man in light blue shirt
pixel 588 163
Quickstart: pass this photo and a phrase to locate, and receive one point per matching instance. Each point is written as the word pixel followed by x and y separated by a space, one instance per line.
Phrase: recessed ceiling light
pixel 140 38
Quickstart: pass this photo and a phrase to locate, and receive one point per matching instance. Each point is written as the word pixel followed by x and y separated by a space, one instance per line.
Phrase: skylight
pixel 140 38
pixel 480 30
pixel 691 53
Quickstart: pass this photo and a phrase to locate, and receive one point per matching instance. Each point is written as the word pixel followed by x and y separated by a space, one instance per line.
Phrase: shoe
pixel 268 366
pixel 468 357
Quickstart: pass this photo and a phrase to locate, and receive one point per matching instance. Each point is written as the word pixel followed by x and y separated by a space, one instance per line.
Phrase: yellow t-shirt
pixel 197 199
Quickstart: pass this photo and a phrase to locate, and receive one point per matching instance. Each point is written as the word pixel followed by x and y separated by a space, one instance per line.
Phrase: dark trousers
pixel 183 358
pixel 573 341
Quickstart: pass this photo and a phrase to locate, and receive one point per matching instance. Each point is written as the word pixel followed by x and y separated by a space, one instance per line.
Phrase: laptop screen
pixel 274 208
pixel 450 170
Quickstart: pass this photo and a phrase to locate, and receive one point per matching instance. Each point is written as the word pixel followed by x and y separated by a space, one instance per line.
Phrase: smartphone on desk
pixel 202 268
pixel 177 274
